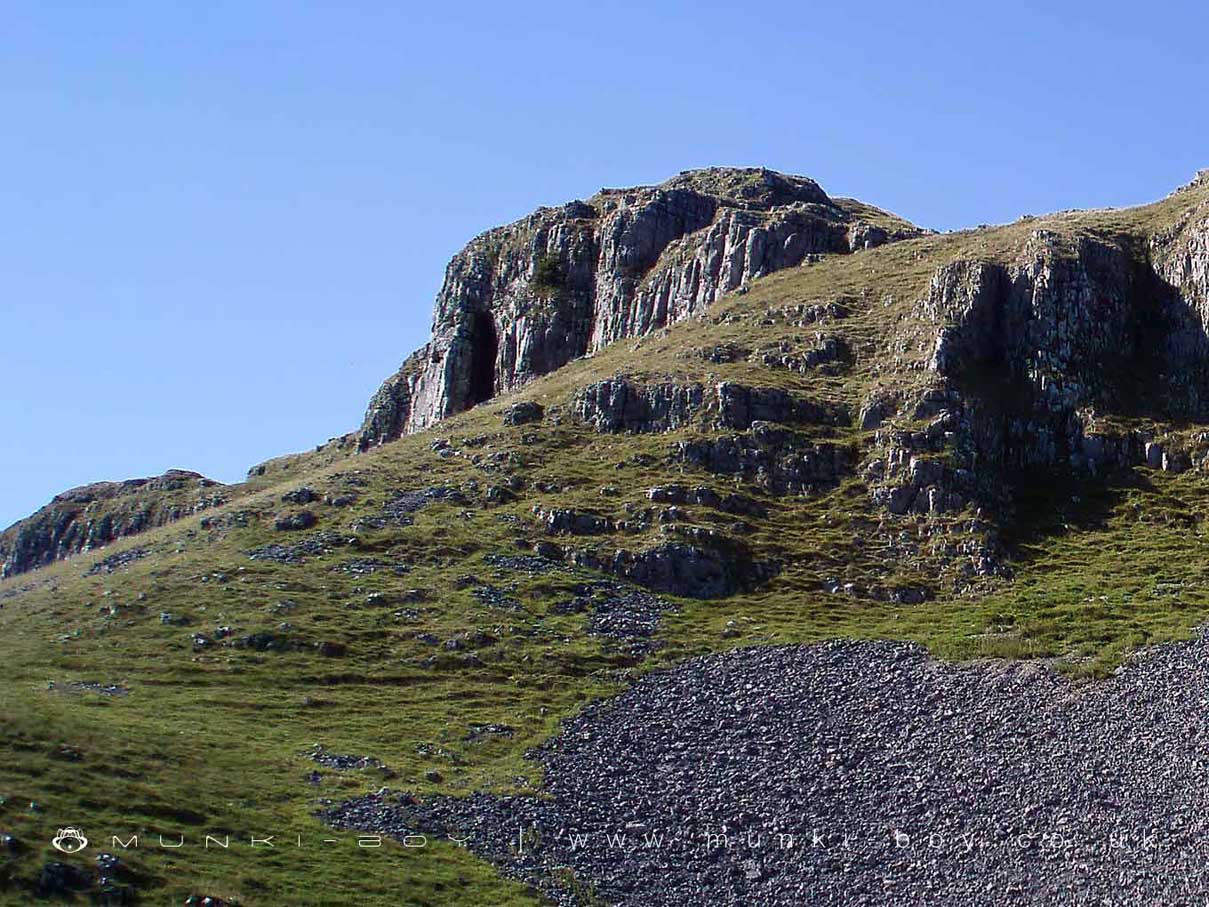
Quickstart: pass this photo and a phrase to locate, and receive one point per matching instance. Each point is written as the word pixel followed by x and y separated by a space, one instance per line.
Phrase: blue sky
pixel 222 224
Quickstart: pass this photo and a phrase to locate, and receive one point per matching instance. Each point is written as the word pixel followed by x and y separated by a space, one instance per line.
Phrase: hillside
pixel 973 446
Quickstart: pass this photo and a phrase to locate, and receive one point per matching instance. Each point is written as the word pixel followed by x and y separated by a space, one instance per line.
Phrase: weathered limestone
pixel 1025 356
pixel 522 300
pixel 91 516
pixel 621 404
pixel 776 459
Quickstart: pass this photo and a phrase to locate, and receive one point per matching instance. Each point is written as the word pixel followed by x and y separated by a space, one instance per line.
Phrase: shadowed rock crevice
pixel 484 347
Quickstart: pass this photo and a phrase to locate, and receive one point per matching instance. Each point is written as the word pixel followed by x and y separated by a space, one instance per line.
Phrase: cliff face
pixel 1181 260
pixel 522 300
pixel 1077 351
pixel 91 516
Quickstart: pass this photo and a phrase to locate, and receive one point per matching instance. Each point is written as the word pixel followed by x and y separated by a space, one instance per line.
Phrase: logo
pixel 69 840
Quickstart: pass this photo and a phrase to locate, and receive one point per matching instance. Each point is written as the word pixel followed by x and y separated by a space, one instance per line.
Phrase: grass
pixel 216 741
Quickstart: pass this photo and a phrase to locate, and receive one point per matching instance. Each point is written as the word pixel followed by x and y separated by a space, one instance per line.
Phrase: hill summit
pixel 522 300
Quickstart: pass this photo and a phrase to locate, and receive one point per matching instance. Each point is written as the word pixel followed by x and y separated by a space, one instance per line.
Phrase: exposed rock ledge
pixel 90 516
pixel 620 404
pixel 1023 359
pixel 522 300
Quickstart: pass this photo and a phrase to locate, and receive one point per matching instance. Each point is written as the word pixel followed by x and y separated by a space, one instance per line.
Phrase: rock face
pixel 90 516
pixel 775 459
pixel 1023 360
pixel 619 404
pixel 680 569
pixel 522 300
pixel 1181 260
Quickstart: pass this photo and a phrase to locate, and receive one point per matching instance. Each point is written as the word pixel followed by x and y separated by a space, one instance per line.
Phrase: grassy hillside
pixel 412 638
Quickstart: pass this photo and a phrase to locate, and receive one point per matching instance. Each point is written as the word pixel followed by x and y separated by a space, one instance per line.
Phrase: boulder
pixel 302 495
pixel 292 522
pixel 62 880
pixel 524 412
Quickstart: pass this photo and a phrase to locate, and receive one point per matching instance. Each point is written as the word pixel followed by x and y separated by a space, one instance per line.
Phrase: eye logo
pixel 69 840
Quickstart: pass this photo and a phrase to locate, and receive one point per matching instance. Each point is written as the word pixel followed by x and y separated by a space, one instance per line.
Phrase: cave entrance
pixel 484 345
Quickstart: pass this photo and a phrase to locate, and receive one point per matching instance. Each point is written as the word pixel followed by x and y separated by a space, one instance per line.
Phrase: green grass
pixel 216 741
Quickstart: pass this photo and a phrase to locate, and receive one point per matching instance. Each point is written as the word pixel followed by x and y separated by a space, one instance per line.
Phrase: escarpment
pixel 1082 353
pixel 914 389
pixel 92 516
pixel 522 300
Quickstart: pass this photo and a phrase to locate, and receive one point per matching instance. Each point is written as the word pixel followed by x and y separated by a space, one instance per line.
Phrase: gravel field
pixel 859 773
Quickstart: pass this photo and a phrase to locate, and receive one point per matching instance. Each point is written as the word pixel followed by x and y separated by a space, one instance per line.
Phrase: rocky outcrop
pixel 620 404
pixel 1181 260
pixel 565 521
pixel 1038 362
pixel 94 515
pixel 522 300
pixel 707 497
pixel 776 459
pixel 680 569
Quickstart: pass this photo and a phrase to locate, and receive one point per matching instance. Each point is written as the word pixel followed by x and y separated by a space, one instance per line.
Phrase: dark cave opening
pixel 484 347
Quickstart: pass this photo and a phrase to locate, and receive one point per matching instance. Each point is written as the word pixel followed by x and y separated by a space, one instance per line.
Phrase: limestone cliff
pixel 1078 351
pixel 91 516
pixel 522 300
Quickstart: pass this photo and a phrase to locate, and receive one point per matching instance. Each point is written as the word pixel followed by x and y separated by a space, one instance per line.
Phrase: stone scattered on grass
pixel 343 762
pixel 117 561
pixel 618 611
pixel 399 508
pixel 494 597
pixel 366 566
pixel 90 686
pixel 315 545
pixel 835 773
pixel 528 564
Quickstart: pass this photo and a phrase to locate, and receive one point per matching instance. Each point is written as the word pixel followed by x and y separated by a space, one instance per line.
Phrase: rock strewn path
pixel 900 779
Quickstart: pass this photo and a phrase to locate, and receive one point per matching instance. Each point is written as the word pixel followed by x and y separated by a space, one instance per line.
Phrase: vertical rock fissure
pixel 484 348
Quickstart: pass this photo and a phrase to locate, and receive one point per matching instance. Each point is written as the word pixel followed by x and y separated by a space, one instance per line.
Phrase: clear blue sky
pixel 222 224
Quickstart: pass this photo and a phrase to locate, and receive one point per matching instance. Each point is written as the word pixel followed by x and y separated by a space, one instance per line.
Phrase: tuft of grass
pixel 548 276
